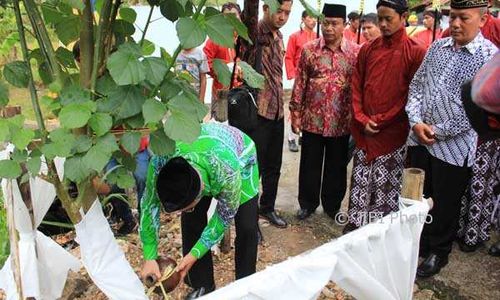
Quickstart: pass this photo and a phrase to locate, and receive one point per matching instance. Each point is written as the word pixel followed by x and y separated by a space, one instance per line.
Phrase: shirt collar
pixel 472 46
pixel 266 29
pixel 344 47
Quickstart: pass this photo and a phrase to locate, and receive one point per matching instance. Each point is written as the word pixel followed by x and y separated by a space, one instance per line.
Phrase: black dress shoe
pixel 197 293
pixel 304 213
pixel 495 249
pixel 274 219
pixel 467 248
pixel 431 265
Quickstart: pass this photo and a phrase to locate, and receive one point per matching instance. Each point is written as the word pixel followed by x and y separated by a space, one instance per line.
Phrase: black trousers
pixel 192 225
pixel 446 185
pixel 323 166
pixel 268 138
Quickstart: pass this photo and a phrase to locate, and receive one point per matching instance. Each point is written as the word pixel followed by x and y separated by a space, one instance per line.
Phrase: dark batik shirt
pixel 270 99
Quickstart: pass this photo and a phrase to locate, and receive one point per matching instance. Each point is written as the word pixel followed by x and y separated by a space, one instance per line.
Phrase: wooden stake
pixel 14 242
pixel 225 245
pixel 413 184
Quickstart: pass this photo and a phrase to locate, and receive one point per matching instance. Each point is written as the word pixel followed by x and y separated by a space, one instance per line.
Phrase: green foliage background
pixel 4 235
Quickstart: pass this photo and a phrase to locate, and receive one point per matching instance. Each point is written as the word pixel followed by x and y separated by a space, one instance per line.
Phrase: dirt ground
pixel 467 276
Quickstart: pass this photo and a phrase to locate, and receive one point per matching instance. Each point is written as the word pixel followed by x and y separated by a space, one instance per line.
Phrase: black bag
pixel 242 106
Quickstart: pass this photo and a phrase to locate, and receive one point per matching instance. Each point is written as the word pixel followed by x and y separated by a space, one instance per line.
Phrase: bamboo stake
pixel 14 242
pixel 413 184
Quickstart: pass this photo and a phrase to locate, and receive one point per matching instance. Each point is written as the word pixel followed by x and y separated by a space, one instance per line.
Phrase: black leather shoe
pixel 304 213
pixel 467 248
pixel 197 293
pixel 274 219
pixel 431 265
pixel 495 249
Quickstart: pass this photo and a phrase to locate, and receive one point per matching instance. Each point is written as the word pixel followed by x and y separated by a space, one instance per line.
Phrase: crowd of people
pixel 364 85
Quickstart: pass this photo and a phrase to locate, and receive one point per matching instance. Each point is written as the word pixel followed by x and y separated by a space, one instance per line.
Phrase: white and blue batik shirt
pixel 435 97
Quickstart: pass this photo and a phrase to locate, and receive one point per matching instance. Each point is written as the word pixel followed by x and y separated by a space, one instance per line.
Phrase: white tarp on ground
pixel 103 258
pixel 45 270
pixel 377 261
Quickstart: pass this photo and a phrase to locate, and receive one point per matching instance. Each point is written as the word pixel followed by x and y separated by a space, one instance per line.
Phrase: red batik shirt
pixel 321 97
pixel 295 43
pixel 424 37
pixel 380 86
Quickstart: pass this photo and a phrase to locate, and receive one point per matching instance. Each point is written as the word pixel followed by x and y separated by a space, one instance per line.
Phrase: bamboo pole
pixel 14 242
pixel 413 184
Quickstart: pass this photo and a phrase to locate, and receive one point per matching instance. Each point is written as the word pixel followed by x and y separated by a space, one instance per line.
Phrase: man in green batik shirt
pixel 221 163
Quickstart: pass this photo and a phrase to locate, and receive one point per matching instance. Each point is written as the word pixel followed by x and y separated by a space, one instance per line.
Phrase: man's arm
pixel 150 212
pixel 415 94
pixel 290 58
pixel 358 80
pixel 299 89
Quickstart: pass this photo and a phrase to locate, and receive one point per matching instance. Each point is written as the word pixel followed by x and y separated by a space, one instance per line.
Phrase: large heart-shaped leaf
pixel 128 14
pixel 73 94
pixel 220 30
pixel 125 101
pixel 252 77
pixel 68 29
pixel 190 33
pixel 147 47
pixel 76 169
pixel 9 169
pixel 124 65
pixel 153 111
pixel 21 137
pixel 101 123
pixel 96 158
pixel 240 28
pixel 311 11
pixel 17 73
pixel 182 127
pixel 123 27
pixel 222 71
pixel 130 141
pixel 156 69
pixel 65 57
pixel 75 115
pixel 160 143
pixel 33 165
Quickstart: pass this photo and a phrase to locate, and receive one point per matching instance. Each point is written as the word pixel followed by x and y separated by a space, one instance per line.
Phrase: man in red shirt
pixel 424 37
pixel 320 108
pixel 351 32
pixel 214 51
pixel 490 30
pixel 380 124
pixel 295 43
pixel 369 27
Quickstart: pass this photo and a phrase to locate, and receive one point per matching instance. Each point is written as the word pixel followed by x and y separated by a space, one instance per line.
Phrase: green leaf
pixel 156 69
pixel 166 56
pixel 75 169
pixel 122 178
pixel 82 144
pixel 252 77
pixel 4 94
pixel 78 4
pixel 197 108
pixel 33 165
pixel 136 121
pixel 75 115
pixel 190 33
pixel 220 30
pixel 22 137
pixel 148 47
pixel 128 14
pixel 210 11
pixel 124 65
pixel 131 141
pixel 68 29
pixel 171 9
pixel 96 158
pixel 37 55
pixel 240 28
pixel 4 130
pixel 101 123
pixel 222 71
pixel 62 143
pixel 274 5
pixel 45 73
pixel 74 94
pixel 61 135
pixel 19 155
pixel 9 169
pixel 50 12
pixel 169 89
pixel 108 143
pixel 311 11
pixel 123 27
pixel 123 102
pixel 154 2
pixel 65 57
pixel 182 127
pixel 153 111
pixel 17 74
pixel 105 84
pixel 160 143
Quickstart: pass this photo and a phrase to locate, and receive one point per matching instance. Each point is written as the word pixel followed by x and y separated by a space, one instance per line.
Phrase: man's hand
pixel 424 133
pixel 295 124
pixel 185 265
pixel 150 267
pixel 371 128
